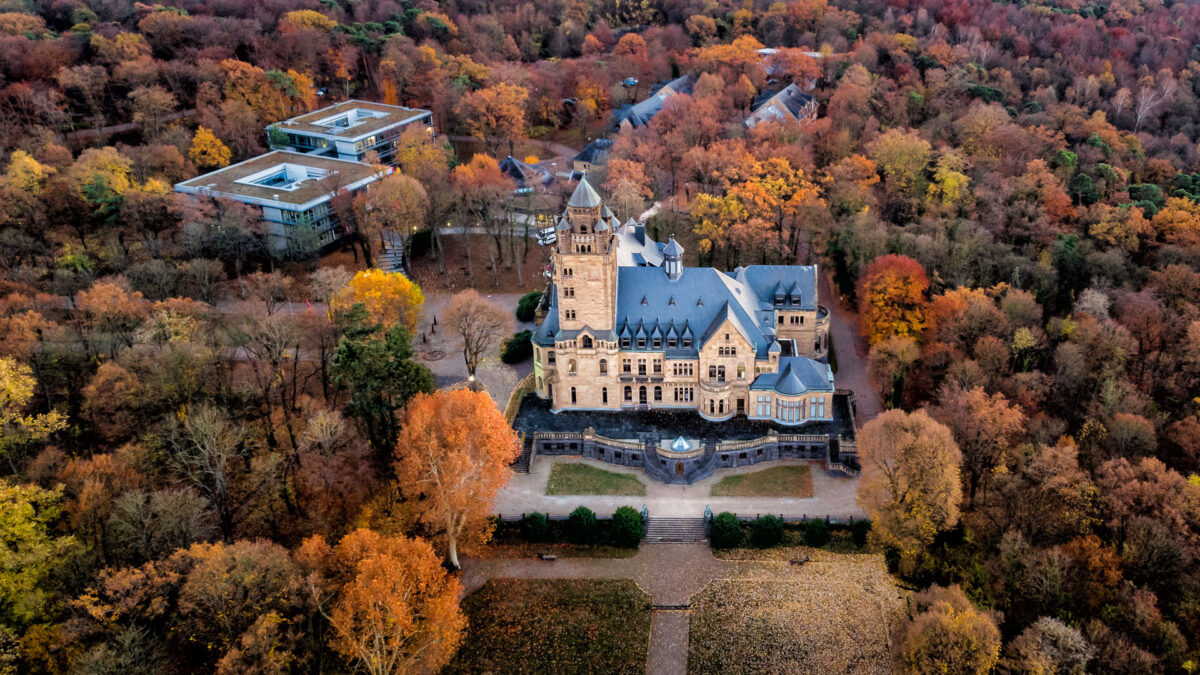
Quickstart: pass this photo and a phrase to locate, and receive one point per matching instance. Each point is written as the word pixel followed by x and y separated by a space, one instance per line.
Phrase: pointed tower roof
pixel 673 248
pixel 584 196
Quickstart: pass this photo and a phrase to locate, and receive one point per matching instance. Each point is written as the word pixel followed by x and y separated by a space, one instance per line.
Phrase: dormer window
pixel 657 343
pixel 779 299
pixel 670 343
pixel 641 343
pixel 687 343
pixel 624 343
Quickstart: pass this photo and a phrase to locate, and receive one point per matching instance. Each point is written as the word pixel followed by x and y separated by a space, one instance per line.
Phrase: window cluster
pixel 726 351
pixel 683 369
pixel 683 394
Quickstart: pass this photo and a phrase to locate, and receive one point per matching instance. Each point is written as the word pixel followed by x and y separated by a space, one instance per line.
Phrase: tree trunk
pixel 453 554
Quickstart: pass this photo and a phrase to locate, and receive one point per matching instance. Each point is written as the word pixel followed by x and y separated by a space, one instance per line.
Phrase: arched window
pixel 604 394
pixel 720 373
pixel 741 372
pixel 573 395
pixel 628 393
pixel 642 395
pixel 603 366
pixel 571 367
pixel 586 342
pixel 658 393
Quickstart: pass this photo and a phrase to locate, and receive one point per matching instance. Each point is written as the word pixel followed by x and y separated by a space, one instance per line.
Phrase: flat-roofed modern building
pixel 293 191
pixel 348 130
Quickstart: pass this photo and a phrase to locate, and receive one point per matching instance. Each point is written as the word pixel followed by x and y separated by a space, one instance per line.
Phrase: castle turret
pixel 585 266
pixel 673 259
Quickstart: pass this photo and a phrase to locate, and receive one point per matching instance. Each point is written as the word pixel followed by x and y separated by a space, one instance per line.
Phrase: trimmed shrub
pixel 859 529
pixel 527 305
pixel 535 527
pixel 816 533
pixel 517 348
pixel 581 526
pixel 725 531
pixel 766 531
pixel 627 527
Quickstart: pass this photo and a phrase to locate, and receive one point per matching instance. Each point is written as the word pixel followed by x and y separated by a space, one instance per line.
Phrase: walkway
pixel 526 492
pixel 669 573
pixel 851 355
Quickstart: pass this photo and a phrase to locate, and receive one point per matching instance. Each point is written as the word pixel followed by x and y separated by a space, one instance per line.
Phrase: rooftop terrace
pixel 351 119
pixel 281 176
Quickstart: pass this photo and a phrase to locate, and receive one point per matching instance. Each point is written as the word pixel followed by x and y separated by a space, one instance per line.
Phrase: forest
pixel 199 480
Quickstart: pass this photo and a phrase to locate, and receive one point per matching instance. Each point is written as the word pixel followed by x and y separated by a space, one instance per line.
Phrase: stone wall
pixel 662 466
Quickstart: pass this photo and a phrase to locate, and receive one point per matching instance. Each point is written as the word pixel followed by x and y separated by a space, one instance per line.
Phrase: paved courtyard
pixel 833 497
pixel 441 351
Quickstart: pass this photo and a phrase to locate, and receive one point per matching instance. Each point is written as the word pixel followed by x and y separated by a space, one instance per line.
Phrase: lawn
pixel 571 478
pixel 778 481
pixel 555 626
pixel 833 615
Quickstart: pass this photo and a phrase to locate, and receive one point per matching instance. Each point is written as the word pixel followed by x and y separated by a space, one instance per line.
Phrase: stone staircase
pixel 391 259
pixel 525 459
pixel 675 531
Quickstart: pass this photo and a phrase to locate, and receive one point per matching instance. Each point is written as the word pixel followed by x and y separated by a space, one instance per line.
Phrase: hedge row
pixel 625 529
pixel 726 531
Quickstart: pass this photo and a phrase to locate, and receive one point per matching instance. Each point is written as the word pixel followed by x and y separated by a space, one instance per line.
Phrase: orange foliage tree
pixel 395 609
pixel 493 114
pixel 452 457
pixel 891 297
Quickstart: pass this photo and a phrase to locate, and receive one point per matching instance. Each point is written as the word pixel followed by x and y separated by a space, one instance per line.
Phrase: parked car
pixel 630 82
pixel 546 236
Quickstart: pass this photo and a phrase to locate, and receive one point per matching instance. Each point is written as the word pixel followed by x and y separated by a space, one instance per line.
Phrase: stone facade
pixel 698 339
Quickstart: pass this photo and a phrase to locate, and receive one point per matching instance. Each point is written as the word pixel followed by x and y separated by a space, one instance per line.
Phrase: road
pixel 851 354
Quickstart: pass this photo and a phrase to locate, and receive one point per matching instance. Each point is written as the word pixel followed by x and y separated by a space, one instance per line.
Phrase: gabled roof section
pixel 789 103
pixel 640 114
pixel 595 152
pixel 796 375
pixel 584 197
pixel 525 175
pixel 765 281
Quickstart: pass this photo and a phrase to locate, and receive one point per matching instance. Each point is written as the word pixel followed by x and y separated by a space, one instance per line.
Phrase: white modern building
pixel 348 130
pixel 293 191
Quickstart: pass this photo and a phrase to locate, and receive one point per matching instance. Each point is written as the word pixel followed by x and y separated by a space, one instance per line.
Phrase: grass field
pixel 568 478
pixel 555 626
pixel 778 481
pixel 833 615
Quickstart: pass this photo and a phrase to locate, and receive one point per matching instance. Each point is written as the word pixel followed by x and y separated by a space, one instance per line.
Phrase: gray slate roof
pixel 525 175
pixel 640 114
pixel 595 152
pixel 635 248
pixel 789 102
pixel 796 375
pixel 584 197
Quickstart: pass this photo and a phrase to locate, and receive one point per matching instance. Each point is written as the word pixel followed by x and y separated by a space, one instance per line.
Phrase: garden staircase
pixel 675 530
pixel 525 460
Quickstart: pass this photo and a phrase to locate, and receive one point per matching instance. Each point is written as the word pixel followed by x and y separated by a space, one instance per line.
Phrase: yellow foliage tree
pixel 950 186
pixel 306 18
pixel 207 151
pixel 16 391
pixel 390 298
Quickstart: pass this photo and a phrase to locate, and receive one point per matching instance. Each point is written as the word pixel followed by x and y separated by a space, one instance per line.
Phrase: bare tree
pixel 479 322
pixel 206 447
pixel 1121 101
pixel 1148 100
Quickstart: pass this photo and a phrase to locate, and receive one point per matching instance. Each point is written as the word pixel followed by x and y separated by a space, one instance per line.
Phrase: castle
pixel 629 327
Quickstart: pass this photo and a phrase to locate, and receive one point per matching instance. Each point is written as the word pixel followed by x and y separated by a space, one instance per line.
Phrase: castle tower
pixel 585 264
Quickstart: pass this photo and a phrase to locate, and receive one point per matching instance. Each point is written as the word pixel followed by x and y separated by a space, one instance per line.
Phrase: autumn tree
pixel 629 186
pixel 891 298
pixel 494 114
pixel 390 298
pixel 901 157
pixel 452 456
pixel 479 323
pixel 31 551
pixel 485 192
pixel 984 427
pixel 946 634
pixel 395 204
pixel 207 151
pixel 888 362
pixel 18 427
pixel 911 485
pixel 391 605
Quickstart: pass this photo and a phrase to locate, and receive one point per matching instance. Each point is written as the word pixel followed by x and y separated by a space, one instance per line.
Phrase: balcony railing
pixel 715 386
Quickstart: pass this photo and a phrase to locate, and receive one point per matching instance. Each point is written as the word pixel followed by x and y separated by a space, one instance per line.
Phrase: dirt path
pixel 851 355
